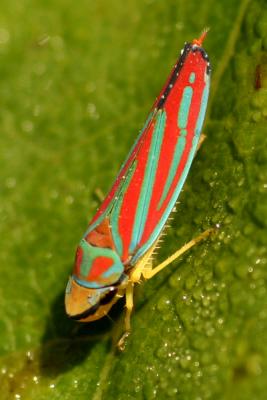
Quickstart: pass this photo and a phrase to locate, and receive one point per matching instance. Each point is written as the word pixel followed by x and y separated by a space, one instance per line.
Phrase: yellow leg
pixel 201 140
pixel 129 306
pixel 129 309
pixel 149 273
pixel 145 262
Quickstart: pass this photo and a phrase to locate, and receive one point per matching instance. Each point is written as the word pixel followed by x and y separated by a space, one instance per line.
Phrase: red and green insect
pixel 115 251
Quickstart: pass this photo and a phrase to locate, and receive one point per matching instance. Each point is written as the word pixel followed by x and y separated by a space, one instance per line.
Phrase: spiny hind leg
pixel 129 308
pixel 145 263
pixel 148 273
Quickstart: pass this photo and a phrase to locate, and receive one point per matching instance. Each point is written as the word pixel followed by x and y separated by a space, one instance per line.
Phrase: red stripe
pixel 99 265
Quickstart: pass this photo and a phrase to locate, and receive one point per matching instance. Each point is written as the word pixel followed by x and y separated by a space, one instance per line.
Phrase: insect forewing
pixel 150 181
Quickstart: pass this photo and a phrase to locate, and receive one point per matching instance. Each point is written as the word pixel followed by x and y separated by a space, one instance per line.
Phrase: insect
pixel 115 251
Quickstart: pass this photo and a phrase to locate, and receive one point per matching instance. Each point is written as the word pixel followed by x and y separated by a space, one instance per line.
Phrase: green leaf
pixel 77 81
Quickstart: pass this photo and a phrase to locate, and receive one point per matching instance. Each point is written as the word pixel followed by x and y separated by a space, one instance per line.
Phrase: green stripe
pixel 115 213
pixel 203 107
pixel 192 77
pixel 149 178
pixel 86 259
pixel 181 142
pixel 179 149
pixel 185 107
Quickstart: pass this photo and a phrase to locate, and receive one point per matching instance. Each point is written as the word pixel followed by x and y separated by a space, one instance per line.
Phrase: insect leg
pixel 149 273
pixel 129 308
pixel 201 140
pixel 146 262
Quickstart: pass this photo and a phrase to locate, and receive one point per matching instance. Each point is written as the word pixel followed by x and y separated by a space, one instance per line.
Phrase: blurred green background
pixel 76 83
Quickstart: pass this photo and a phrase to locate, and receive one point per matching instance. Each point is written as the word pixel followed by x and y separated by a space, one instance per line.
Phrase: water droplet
pixel 91 110
pixel 206 301
pixel 210 331
pixel 163 304
pixel 137 388
pixel 185 362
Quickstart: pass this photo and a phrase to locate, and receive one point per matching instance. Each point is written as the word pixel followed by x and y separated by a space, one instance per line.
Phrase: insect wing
pixel 150 180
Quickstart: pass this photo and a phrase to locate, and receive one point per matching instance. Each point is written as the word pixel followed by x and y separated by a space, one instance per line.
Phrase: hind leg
pixel 148 273
pixel 129 308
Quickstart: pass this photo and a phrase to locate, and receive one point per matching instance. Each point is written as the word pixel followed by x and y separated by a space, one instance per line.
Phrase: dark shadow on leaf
pixel 67 343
